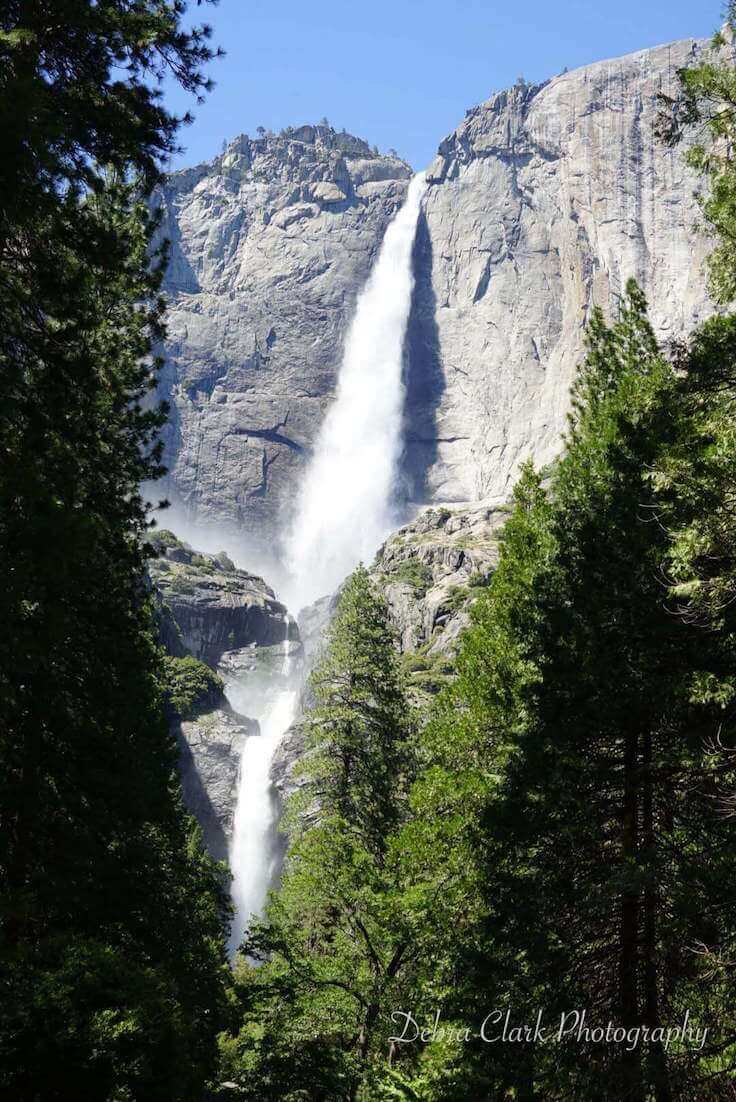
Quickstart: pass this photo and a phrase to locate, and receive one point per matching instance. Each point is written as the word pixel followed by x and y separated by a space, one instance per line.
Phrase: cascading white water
pixel 253 853
pixel 343 514
pixel 344 509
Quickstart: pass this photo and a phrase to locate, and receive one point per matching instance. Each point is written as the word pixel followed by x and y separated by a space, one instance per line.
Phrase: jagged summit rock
pixel 307 155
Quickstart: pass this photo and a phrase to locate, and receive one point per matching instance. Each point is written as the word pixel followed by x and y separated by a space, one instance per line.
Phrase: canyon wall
pixel 542 203
pixel 270 245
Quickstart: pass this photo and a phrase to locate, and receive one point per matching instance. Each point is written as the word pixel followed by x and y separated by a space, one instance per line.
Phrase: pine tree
pixel 337 934
pixel 705 108
pixel 113 977
pixel 603 858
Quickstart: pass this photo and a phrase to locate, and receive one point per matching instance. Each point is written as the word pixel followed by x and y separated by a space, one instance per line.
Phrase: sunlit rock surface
pixel 270 245
pixel 541 204
pixel 214 606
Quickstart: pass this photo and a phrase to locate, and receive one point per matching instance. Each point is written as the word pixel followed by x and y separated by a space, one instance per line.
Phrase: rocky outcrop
pixel 231 621
pixel 209 606
pixel 429 573
pixel 541 204
pixel 270 244
pixel 210 746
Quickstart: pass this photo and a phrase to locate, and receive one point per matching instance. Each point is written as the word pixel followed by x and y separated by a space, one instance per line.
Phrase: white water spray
pixel 344 509
pixel 254 853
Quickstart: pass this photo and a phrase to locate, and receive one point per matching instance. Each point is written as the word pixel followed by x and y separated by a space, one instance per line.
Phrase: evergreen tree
pixel 338 934
pixel 607 866
pixel 705 108
pixel 113 969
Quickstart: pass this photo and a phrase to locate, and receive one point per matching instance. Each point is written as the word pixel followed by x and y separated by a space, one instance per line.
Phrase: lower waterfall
pixel 344 511
pixel 253 852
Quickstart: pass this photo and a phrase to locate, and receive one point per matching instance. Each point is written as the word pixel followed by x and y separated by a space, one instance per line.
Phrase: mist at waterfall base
pixel 345 506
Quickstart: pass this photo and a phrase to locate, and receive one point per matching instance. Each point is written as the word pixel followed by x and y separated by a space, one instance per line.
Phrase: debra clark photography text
pixel 498 1027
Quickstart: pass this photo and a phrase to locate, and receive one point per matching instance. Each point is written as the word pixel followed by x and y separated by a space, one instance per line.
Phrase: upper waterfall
pixel 344 505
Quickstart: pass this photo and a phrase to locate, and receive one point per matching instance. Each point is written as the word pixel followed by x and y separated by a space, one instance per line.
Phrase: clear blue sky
pixel 401 73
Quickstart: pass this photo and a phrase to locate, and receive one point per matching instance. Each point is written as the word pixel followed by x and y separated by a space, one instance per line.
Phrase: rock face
pixel 430 571
pixel 215 607
pixel 209 759
pixel 542 204
pixel 270 244
pixel 230 620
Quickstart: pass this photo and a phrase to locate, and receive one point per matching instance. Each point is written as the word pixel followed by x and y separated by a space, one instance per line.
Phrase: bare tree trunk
pixel 657 1056
pixel 628 996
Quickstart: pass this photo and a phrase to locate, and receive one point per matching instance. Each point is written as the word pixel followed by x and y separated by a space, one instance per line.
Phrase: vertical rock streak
pixel 344 508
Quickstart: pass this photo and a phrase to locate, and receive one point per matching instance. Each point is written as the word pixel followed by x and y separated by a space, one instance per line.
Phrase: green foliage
pixel 191 686
pixel 113 977
pixel 695 477
pixel 338 935
pixel 479 579
pixel 415 662
pixel 425 672
pixel 706 107
pixel 162 538
pixel 77 94
pixel 457 597
pixel 414 573
pixel 358 731
pixel 571 759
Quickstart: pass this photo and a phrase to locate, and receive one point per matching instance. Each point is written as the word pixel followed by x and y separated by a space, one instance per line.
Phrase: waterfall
pixel 343 514
pixel 344 509
pixel 253 852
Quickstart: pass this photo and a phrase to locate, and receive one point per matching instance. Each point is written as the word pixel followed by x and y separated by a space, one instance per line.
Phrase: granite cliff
pixel 541 204
pixel 270 245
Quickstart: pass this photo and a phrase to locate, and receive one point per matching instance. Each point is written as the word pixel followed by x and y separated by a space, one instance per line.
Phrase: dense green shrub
pixel 416 574
pixel 165 538
pixel 191 687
